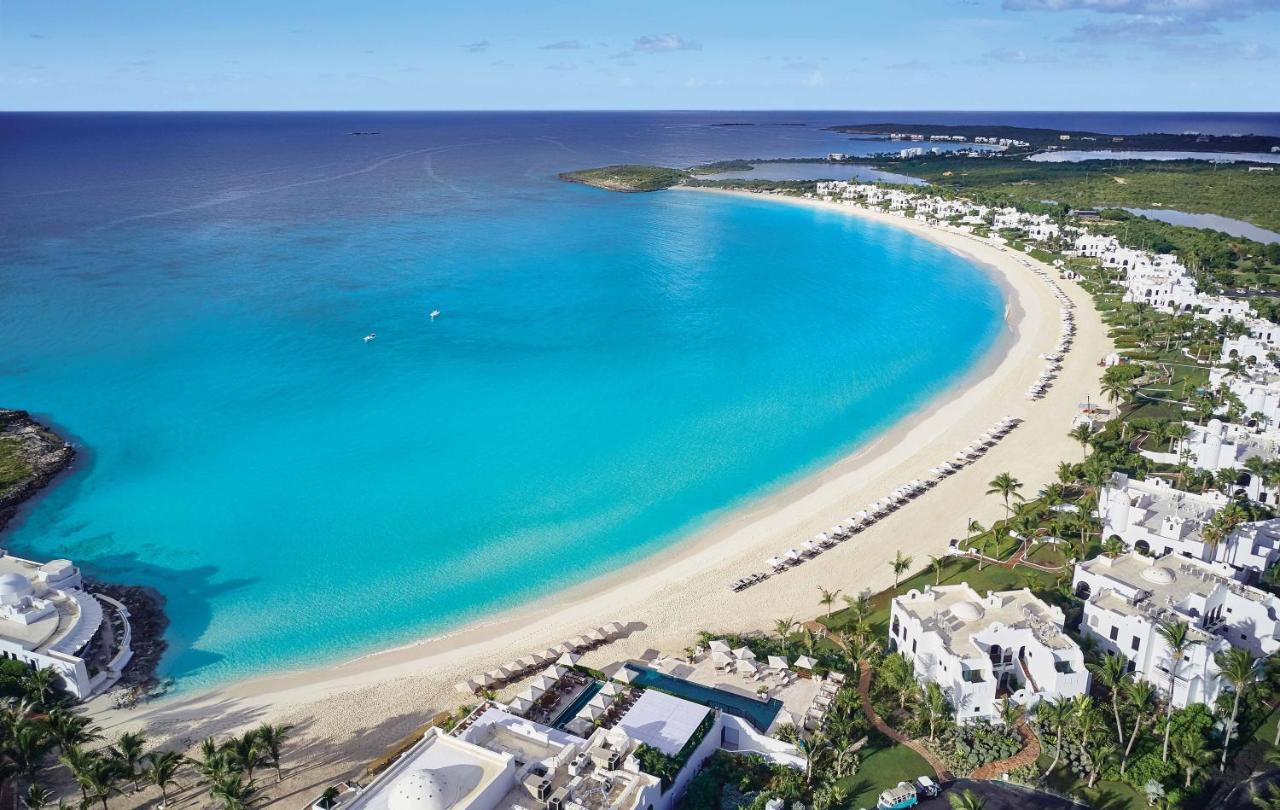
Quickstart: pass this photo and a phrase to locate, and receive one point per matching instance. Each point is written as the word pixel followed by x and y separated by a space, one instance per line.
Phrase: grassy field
pixel 1104 795
pixel 881 769
pixel 1195 186
pixel 628 177
pixel 12 467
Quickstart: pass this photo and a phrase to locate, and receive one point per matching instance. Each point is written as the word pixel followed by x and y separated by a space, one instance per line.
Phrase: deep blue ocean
pixel 185 295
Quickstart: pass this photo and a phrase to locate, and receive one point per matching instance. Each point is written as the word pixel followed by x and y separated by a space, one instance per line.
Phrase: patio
pixel 796 697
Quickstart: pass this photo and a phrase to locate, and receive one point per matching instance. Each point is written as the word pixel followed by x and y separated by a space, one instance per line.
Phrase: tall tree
pixel 1240 669
pixel 900 564
pixel 827 598
pixel 1139 695
pixel 162 771
pixel 271 741
pixel 1006 486
pixel 1177 637
pixel 1112 671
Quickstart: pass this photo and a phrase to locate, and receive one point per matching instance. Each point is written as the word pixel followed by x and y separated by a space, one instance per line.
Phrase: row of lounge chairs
pixel 522 668
pixel 823 700
pixel 881 508
pixel 1054 359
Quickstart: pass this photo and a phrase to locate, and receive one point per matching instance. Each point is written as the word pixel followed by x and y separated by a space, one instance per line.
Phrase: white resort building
pixel 497 760
pixel 1258 391
pixel 1262 338
pixel 48 620
pixel 1127 598
pixel 1152 517
pixel 1222 445
pixel 981 648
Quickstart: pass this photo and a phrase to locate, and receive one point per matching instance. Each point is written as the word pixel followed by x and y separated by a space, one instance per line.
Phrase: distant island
pixel 1038 138
pixel 31 455
pixel 634 177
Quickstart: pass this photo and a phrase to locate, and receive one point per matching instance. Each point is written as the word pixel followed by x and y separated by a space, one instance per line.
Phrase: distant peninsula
pixel 634 177
pixel 1040 138
pixel 31 455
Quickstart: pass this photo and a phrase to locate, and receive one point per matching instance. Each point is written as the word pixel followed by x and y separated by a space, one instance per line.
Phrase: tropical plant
pixel 271 741
pixel 129 750
pixel 966 800
pixel 1177 636
pixel 935 706
pixel 1006 486
pixel 1112 671
pixel 1192 757
pixel 900 563
pixel 1240 669
pixel 162 771
pixel 827 598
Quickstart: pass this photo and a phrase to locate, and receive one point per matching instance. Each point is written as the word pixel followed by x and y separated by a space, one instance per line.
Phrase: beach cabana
pixel 496 676
pixel 611 689
pixel 528 662
pixel 465 687
pixel 590 713
pixel 519 705
pixel 565 647
pixel 601 701
pixel 544 683
pixel 745 666
pixel 569 659
pixel 555 671
pixel 777 662
pixel 721 660
pixel 744 653
pixel 805 662
pixel 718 646
pixel 581 642
pixel 597 636
pixel 532 693
pixel 774 562
pixel 625 675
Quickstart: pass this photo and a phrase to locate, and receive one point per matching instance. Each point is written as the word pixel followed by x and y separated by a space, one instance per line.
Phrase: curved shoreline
pixel 358 707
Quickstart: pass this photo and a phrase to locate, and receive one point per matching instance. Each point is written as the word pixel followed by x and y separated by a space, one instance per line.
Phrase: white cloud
pixel 664 42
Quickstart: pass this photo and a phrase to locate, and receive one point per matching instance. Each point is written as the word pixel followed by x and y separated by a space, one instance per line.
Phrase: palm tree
pixel 1099 758
pixel 966 800
pixel 1190 754
pixel 1112 671
pixel 1240 669
pixel 827 598
pixel 99 778
pixel 1139 695
pixel 937 563
pixel 784 628
pixel 1055 712
pixel 271 741
pixel 130 750
pixel 900 564
pixel 1113 547
pixel 232 792
pixel 858 607
pixel 1114 390
pixel 27 743
pixel 935 706
pixel 1082 433
pixel 70 730
pixel 37 796
pixel 1085 714
pixel 212 762
pixel 1006 486
pixel 1010 713
pixel 42 685
pixel 246 752
pixel 1066 473
pixel 162 770
pixel 1177 636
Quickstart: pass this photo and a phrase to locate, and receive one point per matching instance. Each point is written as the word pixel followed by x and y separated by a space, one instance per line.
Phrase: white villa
pixel 1152 517
pixel 1127 598
pixel 48 620
pixel 1225 446
pixel 1260 393
pixel 978 648
pixel 1261 339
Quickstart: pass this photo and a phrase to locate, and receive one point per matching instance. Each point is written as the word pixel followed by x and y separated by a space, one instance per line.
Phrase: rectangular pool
pixel 758 713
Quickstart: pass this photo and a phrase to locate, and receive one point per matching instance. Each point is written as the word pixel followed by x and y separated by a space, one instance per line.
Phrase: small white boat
pixel 370 336
pixel 435 313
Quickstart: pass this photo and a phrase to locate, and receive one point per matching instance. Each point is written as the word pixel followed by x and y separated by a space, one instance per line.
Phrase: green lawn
pixel 881 769
pixel 12 467
pixel 1103 796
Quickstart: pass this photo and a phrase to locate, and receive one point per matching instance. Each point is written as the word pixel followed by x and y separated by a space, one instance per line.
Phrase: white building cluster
pixel 1126 600
pixel 48 621
pixel 980 649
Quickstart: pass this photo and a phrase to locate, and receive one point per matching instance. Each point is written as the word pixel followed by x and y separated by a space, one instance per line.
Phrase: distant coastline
pixel 31 456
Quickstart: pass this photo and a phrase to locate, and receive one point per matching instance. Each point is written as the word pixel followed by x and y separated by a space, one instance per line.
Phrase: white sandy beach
pixel 348 714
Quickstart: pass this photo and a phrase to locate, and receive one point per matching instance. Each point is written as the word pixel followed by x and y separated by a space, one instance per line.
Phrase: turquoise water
pixel 609 372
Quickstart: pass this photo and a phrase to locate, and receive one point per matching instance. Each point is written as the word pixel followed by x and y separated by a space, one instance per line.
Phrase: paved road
pixel 1000 796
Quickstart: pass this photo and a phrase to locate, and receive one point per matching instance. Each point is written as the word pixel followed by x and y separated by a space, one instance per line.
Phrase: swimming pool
pixel 760 714
pixel 576 706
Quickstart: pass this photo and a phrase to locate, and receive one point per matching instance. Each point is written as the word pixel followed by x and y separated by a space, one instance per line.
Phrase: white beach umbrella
pixel 625 675
pixel 581 642
pixel 821 537
pixel 777 662
pixel 564 647
pixel 746 667
pixel 809 545
pixel 532 693
pixel 611 689
pixel 544 683
pixel 519 705
pixel 601 701
pixel 496 675
pixel 548 655
pixel 464 687
pixel 773 562
pixel 528 662
pixel 568 659
pixel 744 653
pixel 555 671
pixel 615 629
pixel 590 712
pixel 596 635
pixel 792 554
pixel 805 662
pixel 721 659
pixel 718 646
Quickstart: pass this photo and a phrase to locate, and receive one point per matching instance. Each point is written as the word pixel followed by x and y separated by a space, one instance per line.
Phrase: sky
pixel 634 54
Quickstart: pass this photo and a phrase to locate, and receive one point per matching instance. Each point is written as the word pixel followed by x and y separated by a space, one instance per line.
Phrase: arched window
pixel 1083 590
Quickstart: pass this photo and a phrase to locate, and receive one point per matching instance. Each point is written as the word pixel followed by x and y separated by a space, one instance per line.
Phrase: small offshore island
pixel 631 178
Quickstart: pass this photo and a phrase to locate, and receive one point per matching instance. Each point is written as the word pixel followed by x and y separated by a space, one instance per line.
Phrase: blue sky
pixel 657 54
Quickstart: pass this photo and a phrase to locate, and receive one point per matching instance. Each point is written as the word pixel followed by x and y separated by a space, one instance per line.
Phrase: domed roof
pixel 1158 575
pixel 14 584
pixel 422 790
pixel 966 611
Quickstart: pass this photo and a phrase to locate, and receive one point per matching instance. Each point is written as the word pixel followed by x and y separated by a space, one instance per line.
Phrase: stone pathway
pixel 1027 756
pixel 864 693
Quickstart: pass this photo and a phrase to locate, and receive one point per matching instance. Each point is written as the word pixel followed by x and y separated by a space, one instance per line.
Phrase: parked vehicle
pixel 899 797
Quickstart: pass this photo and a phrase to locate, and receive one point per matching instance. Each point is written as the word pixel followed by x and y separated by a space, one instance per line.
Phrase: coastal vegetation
pixel 1194 186
pixel 628 177
pixel 30 456
pixel 1040 138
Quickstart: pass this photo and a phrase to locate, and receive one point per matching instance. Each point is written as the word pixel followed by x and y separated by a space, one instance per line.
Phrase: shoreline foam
pixel 350 712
